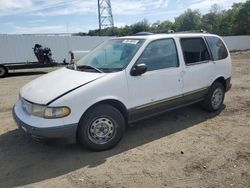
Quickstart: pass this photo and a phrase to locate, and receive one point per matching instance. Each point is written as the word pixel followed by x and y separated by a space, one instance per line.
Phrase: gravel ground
pixel 184 148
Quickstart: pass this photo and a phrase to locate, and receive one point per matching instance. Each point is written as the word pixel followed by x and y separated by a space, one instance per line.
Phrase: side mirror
pixel 138 70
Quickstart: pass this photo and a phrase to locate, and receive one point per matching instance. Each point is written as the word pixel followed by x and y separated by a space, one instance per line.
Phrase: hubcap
pixel 217 98
pixel 101 130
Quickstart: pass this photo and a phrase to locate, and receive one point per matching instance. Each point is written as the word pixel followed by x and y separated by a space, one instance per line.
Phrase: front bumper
pixel 228 84
pixel 66 133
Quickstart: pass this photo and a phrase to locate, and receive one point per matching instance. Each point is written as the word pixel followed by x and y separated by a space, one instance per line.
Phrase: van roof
pixel 159 36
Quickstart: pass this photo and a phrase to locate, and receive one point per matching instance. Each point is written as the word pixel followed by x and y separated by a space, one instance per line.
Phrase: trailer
pixel 16 51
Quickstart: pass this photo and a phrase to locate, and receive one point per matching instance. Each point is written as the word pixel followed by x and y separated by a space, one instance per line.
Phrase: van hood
pixel 46 88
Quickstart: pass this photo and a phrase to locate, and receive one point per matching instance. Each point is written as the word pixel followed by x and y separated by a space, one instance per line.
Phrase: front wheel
pixel 101 128
pixel 215 97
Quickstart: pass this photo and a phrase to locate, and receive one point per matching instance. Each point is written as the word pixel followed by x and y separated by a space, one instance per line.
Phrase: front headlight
pixel 56 112
pixel 45 111
pixel 49 112
pixel 38 110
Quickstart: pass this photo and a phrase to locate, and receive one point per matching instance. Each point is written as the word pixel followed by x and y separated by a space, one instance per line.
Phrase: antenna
pixel 105 15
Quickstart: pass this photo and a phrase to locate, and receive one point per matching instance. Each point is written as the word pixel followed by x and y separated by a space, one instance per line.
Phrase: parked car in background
pixel 122 81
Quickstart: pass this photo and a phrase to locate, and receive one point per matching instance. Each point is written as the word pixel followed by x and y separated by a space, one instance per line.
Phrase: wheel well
pixel 6 70
pixel 222 81
pixel 117 104
pixel 4 67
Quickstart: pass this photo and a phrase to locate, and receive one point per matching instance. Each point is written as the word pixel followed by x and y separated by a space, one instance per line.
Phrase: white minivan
pixel 125 80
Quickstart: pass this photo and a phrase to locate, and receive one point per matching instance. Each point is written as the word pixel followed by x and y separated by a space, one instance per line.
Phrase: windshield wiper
pixel 70 66
pixel 111 69
pixel 88 67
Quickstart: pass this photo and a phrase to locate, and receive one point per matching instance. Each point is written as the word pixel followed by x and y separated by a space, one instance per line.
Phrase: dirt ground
pixel 184 148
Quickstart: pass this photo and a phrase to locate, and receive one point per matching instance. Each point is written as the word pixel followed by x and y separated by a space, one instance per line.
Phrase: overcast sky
pixel 58 16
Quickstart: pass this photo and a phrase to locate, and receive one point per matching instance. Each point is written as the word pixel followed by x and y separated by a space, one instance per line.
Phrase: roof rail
pixel 144 33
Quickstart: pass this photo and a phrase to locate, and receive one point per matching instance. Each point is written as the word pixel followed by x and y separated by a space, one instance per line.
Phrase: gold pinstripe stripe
pixel 171 98
pixel 157 102
pixel 195 91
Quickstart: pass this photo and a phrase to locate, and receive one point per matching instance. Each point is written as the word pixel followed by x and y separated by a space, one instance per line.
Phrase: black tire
pixel 88 127
pixel 3 71
pixel 209 103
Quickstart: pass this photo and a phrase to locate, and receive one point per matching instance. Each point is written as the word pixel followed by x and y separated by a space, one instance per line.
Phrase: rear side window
pixel 217 48
pixel 194 50
pixel 160 54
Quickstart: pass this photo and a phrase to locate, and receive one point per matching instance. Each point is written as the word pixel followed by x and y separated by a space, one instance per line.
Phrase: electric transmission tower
pixel 105 15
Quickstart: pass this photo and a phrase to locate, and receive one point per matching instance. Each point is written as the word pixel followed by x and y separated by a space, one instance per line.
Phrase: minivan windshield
pixel 112 55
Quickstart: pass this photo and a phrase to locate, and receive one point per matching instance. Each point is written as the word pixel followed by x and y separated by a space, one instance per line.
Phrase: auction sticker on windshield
pixel 130 41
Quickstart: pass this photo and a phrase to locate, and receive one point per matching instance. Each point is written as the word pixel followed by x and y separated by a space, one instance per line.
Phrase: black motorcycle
pixel 43 55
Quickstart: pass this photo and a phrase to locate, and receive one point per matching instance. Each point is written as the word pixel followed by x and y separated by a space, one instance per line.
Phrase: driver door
pixel 156 89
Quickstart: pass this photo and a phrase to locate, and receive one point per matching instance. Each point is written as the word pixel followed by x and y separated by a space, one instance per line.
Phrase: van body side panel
pixel 156 84
pixel 158 107
pixel 222 65
pixel 199 74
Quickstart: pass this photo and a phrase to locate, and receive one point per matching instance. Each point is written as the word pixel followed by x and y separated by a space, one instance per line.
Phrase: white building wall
pixel 237 42
pixel 18 48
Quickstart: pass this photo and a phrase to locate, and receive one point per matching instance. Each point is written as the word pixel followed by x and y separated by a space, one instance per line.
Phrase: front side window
pixel 112 55
pixel 217 48
pixel 159 54
pixel 194 50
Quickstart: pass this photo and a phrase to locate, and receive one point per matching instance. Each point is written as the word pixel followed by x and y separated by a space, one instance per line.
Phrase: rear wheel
pixel 3 71
pixel 101 128
pixel 215 97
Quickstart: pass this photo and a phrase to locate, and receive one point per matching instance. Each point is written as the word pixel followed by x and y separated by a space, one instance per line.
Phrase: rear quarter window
pixel 217 48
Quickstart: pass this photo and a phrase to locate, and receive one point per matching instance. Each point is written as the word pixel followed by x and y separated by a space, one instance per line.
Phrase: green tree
pixel 161 27
pixel 217 21
pixel 235 21
pixel 140 26
pixel 189 20
pixel 212 21
pixel 241 21
pixel 124 31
